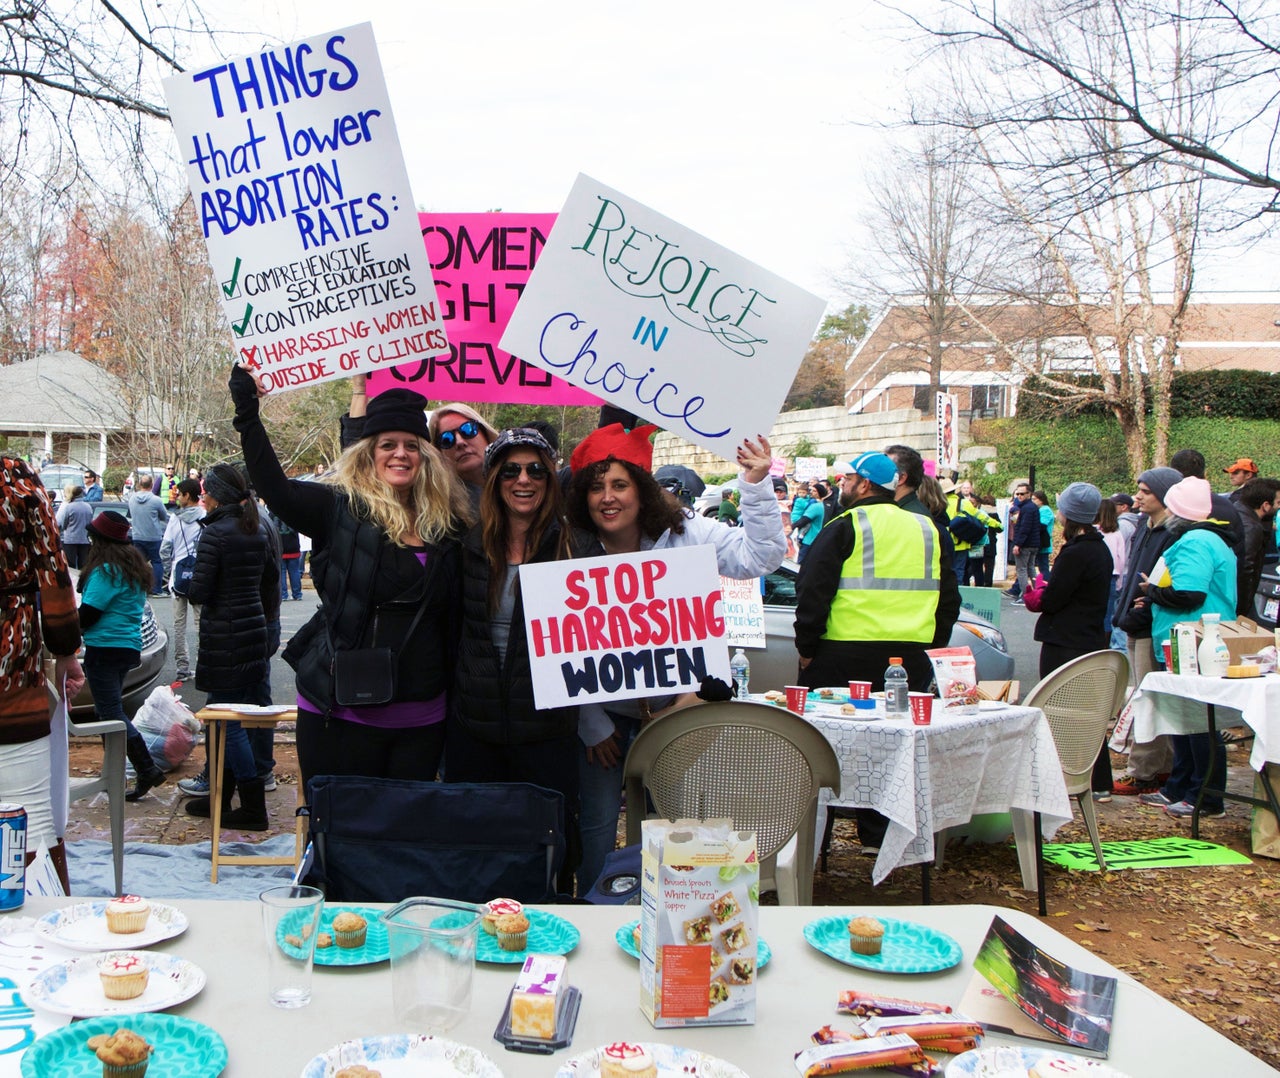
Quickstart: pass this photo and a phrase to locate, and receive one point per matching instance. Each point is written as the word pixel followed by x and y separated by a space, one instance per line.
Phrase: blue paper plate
pixel 183 1048
pixel 548 934
pixel 909 947
pixel 375 948
pixel 624 939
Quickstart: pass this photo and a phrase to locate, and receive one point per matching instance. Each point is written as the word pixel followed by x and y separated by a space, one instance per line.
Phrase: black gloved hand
pixel 713 689
pixel 244 391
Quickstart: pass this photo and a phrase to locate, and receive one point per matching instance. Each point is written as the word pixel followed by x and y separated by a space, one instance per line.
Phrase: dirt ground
pixel 1208 939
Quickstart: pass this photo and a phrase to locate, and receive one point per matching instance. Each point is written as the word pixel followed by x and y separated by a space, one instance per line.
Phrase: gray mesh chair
pixel 109 781
pixel 1079 700
pixel 756 764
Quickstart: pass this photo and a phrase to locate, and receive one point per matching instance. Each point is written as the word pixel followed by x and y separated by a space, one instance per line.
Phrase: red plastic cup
pixel 1167 647
pixel 859 690
pixel 797 698
pixel 921 707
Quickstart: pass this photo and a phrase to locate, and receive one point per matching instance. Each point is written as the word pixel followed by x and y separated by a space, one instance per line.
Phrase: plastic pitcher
pixel 433 955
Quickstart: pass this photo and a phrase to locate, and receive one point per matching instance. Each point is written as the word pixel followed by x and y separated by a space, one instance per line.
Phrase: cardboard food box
pixel 699 918
pixel 1244 637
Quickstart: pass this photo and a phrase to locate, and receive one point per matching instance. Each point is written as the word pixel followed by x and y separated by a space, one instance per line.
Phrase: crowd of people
pixel 415 663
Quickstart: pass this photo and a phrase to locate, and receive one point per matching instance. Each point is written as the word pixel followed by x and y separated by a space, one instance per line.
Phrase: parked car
pixel 139 681
pixel 1266 600
pixel 777 664
pixel 707 503
pixel 56 476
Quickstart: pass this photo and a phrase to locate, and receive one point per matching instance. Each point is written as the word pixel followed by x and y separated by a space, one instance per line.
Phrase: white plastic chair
pixel 756 764
pixel 1079 700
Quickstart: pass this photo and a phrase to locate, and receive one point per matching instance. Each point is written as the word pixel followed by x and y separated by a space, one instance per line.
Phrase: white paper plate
pixel 1006 1059
pixel 83 927
pixel 671 1060
pixel 74 987
pixel 406 1055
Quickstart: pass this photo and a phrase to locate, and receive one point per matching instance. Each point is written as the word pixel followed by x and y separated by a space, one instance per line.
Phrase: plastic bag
pixel 168 727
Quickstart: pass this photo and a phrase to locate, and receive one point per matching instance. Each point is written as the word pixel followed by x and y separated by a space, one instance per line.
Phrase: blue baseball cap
pixel 876 467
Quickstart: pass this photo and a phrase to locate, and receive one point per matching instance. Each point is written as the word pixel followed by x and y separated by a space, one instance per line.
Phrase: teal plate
pixel 375 949
pixel 548 934
pixel 183 1048
pixel 909 947
pixel 625 940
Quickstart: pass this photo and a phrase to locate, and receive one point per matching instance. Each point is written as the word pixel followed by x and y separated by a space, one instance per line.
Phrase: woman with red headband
pixel 615 496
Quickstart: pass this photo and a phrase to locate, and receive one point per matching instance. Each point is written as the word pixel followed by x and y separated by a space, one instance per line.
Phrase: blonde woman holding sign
pixel 615 496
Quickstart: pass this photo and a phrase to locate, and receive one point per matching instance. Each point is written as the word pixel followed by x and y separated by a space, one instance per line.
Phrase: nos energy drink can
pixel 13 857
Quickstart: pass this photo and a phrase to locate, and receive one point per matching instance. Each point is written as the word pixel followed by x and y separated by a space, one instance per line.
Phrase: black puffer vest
pixel 370 590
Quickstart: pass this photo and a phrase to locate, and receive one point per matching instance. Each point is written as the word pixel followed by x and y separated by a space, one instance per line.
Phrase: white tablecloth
pixel 1175 704
pixel 927 778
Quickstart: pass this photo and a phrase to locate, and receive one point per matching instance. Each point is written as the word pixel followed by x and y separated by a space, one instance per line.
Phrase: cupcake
pixel 349 930
pixel 123 1054
pixel 866 934
pixel 123 974
pixel 128 913
pixel 512 930
pixel 495 908
pixel 623 1060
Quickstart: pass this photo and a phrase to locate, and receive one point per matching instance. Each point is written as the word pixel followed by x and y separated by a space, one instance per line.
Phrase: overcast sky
pixel 748 121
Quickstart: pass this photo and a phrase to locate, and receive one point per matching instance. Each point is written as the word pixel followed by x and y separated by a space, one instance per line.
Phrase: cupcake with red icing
pixel 124 974
pixel 128 913
pixel 495 908
pixel 621 1059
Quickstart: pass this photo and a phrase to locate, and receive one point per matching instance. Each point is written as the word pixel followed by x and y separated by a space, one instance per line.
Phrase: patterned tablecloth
pixel 927 778
pixel 1175 704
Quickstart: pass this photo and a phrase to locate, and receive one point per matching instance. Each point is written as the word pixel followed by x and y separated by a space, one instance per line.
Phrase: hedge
pixel 1232 394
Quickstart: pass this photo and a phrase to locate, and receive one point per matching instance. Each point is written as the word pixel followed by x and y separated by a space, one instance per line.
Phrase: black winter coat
pixel 236 578
pixel 1073 606
pixel 493 700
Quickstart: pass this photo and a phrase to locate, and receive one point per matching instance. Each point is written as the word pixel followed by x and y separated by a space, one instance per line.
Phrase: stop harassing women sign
pixel 624 626
pixel 304 201
pixel 661 321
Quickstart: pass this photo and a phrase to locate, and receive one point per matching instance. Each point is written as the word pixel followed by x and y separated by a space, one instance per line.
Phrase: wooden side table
pixel 215 718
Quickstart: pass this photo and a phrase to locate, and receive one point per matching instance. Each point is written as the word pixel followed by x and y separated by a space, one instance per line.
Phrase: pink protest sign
pixel 481 263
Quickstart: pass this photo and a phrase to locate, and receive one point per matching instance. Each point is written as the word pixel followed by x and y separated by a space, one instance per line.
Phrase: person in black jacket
pixel 236 578
pixel 385 563
pixel 496 732
pixel 1073 602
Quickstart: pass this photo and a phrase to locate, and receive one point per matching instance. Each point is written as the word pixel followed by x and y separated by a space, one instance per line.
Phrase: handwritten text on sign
pixel 481 263
pixel 661 321
pixel 304 201
pixel 624 626
pixel 743 612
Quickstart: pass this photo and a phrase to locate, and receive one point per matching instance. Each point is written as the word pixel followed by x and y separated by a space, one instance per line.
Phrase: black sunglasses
pixel 537 471
pixel 449 438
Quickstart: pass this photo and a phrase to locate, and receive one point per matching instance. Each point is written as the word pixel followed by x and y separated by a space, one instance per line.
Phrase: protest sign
pixel 661 321
pixel 304 201
pixel 481 263
pixel 948 412
pixel 743 612
pixel 810 468
pixel 624 626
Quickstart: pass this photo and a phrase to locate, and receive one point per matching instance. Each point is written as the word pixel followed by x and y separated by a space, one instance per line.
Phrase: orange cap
pixel 1244 464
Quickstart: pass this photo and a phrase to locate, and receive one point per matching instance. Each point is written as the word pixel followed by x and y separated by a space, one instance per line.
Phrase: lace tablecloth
pixel 1175 704
pixel 927 778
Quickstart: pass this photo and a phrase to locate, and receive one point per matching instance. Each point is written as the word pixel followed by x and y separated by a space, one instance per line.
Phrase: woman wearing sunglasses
pixel 615 497
pixel 496 732
pixel 462 436
pixel 384 528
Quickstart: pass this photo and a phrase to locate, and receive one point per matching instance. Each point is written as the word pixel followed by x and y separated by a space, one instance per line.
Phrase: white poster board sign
pixel 624 626
pixel 303 197
pixel 810 468
pixel 743 612
pixel 948 416
pixel 661 321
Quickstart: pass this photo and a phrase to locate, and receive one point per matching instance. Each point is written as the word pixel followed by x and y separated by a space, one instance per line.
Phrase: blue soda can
pixel 13 857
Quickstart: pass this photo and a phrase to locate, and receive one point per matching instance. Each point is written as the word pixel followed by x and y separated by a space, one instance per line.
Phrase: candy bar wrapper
pixel 699 918
pixel 930 1028
pixel 846 1056
pixel 865 1005
pixel 926 1068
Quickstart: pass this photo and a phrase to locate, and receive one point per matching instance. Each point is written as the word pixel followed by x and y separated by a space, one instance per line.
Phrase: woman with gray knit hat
pixel 384 528
pixel 1073 602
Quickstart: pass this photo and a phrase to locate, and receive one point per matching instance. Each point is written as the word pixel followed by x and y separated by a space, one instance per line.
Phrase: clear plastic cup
pixel 291 923
pixel 433 955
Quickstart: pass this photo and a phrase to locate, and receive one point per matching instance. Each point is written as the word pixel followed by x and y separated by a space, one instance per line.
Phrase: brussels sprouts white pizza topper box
pixel 700 912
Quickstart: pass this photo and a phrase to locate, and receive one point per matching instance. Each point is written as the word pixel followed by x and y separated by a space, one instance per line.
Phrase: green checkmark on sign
pixel 229 288
pixel 243 326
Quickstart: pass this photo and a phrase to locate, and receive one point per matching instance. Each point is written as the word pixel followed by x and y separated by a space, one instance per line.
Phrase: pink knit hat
pixel 1190 499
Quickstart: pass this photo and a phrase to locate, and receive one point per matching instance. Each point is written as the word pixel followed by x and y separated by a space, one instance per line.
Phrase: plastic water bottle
pixel 1213 656
pixel 740 669
pixel 895 691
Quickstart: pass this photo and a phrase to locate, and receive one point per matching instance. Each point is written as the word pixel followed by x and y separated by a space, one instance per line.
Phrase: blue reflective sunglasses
pixel 449 438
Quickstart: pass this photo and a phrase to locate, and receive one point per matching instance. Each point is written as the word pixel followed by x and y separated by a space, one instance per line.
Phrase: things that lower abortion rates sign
pixel 303 197
pixel 624 626
pixel 661 321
